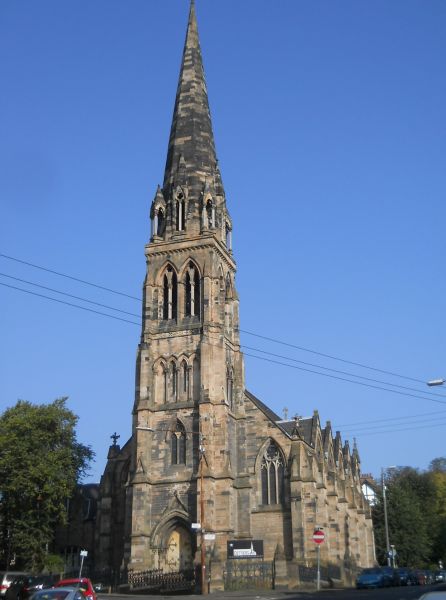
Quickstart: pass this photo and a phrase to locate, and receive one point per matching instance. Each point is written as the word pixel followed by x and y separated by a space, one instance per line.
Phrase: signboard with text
pixel 245 549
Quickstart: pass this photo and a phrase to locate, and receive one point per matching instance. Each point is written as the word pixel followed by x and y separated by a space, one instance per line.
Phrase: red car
pixel 83 583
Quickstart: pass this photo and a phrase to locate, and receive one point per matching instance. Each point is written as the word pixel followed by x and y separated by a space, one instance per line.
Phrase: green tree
pixel 41 462
pixel 416 508
pixel 437 473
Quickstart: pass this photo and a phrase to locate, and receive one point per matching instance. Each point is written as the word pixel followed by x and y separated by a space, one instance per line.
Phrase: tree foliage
pixel 416 509
pixel 41 462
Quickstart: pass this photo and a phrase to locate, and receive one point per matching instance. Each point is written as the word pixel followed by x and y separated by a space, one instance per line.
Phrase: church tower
pixel 211 476
pixel 190 375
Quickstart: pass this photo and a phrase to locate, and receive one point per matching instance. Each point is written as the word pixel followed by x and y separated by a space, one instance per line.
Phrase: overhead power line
pixel 437 412
pixel 350 362
pixel 384 424
pixel 44 287
pixel 270 339
pixel 101 287
pixel 392 431
pixel 376 387
pixel 97 312
pixel 403 387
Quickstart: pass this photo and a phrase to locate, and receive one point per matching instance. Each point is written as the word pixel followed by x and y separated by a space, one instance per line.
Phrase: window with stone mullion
pixel 272 476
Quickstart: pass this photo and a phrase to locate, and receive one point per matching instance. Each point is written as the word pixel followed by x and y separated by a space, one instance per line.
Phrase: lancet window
pixel 180 212
pixel 178 445
pixel 210 212
pixel 192 289
pixel 159 221
pixel 228 236
pixel 230 388
pixel 272 475
pixel 185 379
pixel 170 292
pixel 174 381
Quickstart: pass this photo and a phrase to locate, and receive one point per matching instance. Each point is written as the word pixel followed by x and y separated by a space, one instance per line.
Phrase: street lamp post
pixel 386 520
pixel 201 450
pixel 434 382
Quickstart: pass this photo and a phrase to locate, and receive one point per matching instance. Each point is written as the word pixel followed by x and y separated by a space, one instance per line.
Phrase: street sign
pixel 209 536
pixel 196 525
pixel 318 536
pixel 84 553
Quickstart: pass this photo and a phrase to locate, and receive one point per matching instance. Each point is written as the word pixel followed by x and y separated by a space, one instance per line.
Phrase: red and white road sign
pixel 318 536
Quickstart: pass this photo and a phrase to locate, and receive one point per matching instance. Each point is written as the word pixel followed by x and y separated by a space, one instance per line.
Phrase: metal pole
pixel 386 522
pixel 318 581
pixel 203 553
pixel 82 564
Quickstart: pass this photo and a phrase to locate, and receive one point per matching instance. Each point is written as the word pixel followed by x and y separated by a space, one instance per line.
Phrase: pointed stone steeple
pixel 191 151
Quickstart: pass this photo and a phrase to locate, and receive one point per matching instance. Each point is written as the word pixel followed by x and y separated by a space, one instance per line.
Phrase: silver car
pixel 59 593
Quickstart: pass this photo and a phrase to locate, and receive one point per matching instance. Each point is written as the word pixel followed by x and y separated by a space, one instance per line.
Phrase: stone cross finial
pixel 115 437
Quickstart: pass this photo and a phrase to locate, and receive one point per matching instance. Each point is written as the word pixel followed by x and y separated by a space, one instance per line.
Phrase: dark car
pixel 391 575
pixel 420 576
pixel 372 578
pixel 24 586
pixel 7 577
pixel 406 576
pixel 440 576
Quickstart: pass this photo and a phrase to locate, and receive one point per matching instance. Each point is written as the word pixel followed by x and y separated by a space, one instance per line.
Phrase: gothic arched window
pixel 272 474
pixel 192 296
pixel 180 212
pixel 178 445
pixel 159 221
pixel 230 388
pixel 210 211
pixel 228 236
pixel 185 379
pixel 174 381
pixel 170 294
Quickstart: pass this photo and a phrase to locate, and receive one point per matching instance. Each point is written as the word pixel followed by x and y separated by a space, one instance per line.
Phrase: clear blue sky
pixel 329 119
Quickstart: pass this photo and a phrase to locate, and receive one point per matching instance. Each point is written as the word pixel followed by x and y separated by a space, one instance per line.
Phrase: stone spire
pixel 191 154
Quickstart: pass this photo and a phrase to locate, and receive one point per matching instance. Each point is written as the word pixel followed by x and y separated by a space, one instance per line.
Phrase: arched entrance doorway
pixel 179 553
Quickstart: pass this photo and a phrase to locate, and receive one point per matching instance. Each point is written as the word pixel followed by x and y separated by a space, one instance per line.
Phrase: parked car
pixel 24 586
pixel 372 578
pixel 59 593
pixel 392 575
pixel 430 576
pixel 84 584
pixel 407 577
pixel 440 576
pixel 420 576
pixel 7 577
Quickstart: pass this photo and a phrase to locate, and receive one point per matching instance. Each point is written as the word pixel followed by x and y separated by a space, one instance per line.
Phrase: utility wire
pixel 403 387
pixel 356 364
pixel 246 354
pixel 24 262
pixel 43 287
pixel 398 430
pixel 371 427
pixel 393 374
pixel 97 312
pixel 437 412
pixel 376 387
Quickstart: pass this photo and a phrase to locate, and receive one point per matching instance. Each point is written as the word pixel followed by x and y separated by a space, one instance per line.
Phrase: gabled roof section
pixel 272 416
pixel 305 425
pixel 191 151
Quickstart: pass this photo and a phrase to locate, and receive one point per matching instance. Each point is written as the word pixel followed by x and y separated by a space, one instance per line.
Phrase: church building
pixel 212 484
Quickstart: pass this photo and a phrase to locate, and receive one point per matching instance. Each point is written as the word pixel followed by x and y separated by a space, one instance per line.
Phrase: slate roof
pixel 287 426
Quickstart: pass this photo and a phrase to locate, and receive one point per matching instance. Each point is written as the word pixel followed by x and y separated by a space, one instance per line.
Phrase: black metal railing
pixel 156 580
pixel 248 575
